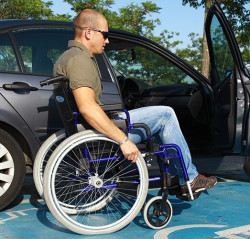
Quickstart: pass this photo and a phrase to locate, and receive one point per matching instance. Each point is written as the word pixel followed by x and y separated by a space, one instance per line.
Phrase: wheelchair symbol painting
pixel 13 215
pixel 241 232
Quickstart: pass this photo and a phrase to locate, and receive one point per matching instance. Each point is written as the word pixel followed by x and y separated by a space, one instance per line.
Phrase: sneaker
pixel 199 184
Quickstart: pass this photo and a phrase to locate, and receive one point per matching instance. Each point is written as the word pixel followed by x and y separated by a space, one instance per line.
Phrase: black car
pixel 136 72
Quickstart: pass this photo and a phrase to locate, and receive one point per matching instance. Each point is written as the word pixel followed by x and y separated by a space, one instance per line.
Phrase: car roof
pixel 16 23
pixel 11 24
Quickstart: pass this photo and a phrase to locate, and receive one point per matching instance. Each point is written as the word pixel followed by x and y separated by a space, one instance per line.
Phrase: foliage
pixel 132 18
pixel 153 69
pixel 29 9
pixel 238 15
pixel 137 18
pixel 192 53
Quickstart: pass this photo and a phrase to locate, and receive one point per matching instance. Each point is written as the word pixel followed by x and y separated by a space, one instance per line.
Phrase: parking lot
pixel 221 212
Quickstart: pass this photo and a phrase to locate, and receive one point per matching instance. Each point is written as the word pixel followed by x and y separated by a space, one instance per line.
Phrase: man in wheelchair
pixel 78 65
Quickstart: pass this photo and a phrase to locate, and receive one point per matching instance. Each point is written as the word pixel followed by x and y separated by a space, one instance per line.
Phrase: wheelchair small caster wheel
pixel 156 214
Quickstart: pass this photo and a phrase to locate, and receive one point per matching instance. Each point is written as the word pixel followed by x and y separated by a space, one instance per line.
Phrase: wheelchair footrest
pixel 188 197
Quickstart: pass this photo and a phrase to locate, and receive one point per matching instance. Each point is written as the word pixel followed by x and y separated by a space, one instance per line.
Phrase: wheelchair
pixel 86 182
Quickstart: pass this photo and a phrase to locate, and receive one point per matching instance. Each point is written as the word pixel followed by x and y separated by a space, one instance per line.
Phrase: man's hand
pixel 130 151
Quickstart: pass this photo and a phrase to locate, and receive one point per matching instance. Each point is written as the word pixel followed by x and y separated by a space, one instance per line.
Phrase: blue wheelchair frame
pixel 71 120
pixel 163 161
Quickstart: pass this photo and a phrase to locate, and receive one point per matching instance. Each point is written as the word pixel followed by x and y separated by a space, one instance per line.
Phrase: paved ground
pixel 221 212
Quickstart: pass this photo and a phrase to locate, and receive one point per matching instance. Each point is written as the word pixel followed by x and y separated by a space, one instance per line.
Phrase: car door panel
pixel 40 111
pixel 8 115
pixel 37 108
pixel 230 93
pixel 223 121
pixel 181 98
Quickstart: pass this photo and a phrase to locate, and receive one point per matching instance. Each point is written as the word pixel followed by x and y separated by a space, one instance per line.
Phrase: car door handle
pixel 16 86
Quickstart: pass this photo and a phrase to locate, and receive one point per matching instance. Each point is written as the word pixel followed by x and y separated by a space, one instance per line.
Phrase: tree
pixel 132 18
pixel 29 9
pixel 137 18
pixel 238 15
pixel 192 53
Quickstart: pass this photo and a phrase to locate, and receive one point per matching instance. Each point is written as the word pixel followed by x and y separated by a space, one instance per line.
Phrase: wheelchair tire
pixel 102 194
pixel 154 215
pixel 42 158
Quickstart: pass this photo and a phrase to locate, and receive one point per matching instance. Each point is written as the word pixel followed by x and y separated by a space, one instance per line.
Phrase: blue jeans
pixel 164 125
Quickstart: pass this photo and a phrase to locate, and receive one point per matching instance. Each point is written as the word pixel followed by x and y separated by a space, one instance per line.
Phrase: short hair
pixel 87 18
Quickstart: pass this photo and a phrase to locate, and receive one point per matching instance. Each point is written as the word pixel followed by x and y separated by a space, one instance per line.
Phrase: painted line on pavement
pixel 230 233
pixel 165 232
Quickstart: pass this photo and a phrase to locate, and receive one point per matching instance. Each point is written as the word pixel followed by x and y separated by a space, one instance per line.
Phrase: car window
pixel 40 48
pixel 223 58
pixel 141 63
pixel 8 61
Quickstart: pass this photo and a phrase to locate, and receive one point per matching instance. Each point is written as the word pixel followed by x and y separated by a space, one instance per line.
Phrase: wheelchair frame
pixel 157 205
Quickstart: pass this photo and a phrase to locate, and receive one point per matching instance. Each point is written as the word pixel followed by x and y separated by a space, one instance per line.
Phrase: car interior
pixel 146 78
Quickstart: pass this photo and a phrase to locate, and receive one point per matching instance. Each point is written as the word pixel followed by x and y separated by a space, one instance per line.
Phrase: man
pixel 78 65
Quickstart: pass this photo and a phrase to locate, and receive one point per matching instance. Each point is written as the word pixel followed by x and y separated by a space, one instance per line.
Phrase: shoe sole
pixel 199 190
pixel 174 186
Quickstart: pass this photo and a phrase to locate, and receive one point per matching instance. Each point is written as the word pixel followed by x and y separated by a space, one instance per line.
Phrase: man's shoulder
pixel 71 54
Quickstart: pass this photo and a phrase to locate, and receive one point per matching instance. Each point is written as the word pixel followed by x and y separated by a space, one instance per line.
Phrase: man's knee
pixel 169 111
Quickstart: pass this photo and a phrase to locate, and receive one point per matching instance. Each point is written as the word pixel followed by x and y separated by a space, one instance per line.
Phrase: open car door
pixel 231 86
pixel 230 81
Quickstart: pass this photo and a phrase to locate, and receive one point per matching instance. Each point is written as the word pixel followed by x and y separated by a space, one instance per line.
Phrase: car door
pixel 38 48
pixel 229 80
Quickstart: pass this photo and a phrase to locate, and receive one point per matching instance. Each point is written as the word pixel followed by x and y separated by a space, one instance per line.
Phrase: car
pixel 136 72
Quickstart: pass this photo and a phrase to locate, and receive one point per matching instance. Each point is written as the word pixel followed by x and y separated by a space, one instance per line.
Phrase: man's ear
pixel 88 33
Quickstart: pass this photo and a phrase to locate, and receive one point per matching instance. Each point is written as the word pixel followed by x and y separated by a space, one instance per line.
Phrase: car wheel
pixel 12 169
pixel 247 166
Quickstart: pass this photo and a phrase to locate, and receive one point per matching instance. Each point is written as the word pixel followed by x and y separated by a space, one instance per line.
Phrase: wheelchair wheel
pixel 42 158
pixel 155 214
pixel 88 174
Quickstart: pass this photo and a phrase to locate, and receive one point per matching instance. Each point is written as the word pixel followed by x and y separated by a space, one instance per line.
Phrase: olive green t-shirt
pixel 79 66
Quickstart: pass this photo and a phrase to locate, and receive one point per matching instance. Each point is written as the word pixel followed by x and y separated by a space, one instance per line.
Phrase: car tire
pixel 247 166
pixel 12 169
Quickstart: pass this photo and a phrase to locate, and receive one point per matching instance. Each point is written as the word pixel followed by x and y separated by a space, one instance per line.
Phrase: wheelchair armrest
pixel 53 80
pixel 144 126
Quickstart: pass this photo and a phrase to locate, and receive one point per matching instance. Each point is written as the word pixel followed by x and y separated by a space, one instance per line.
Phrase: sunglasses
pixel 105 34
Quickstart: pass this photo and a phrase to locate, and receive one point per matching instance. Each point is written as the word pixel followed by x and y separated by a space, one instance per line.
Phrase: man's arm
pixel 97 118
